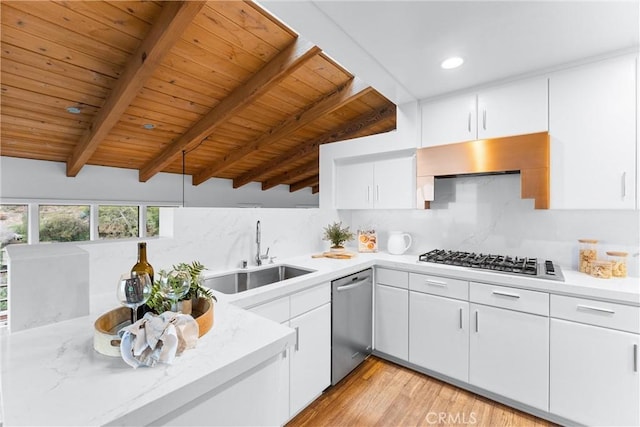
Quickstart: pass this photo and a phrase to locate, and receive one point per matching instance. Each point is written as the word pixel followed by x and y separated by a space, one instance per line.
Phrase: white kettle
pixel 398 242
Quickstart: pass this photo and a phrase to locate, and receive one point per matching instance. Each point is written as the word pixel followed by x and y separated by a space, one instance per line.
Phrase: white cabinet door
pixel 449 120
pixel 394 183
pixel 592 123
pixel 509 354
pixel 594 374
pixel 311 357
pixel 392 321
pixel 354 186
pixel 439 334
pixel 516 109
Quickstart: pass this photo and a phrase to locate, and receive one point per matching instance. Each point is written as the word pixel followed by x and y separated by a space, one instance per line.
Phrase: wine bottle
pixel 140 267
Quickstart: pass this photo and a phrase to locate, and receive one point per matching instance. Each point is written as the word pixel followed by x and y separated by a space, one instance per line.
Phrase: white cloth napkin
pixel 154 339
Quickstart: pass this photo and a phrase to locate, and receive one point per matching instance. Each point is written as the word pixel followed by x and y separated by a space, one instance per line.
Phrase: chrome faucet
pixel 259 256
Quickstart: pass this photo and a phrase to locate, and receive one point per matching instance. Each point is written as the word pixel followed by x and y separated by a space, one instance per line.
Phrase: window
pixel 13 224
pixel 64 223
pixel 153 221
pixel 118 222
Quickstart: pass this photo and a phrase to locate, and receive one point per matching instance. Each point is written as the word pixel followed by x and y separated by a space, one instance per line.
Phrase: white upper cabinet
pixel 592 123
pixel 449 120
pixel 514 109
pixel 381 184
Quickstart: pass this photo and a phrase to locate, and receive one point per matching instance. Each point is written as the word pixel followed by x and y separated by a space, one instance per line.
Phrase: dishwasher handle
pixel 353 285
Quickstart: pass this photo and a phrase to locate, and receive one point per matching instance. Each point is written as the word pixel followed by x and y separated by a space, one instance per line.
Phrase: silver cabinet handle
pixel 297 346
pixel 352 285
pixel 477 328
pixel 460 318
pixel 506 294
pixel 368 193
pixel 484 119
pixel 435 283
pixel 624 184
pixel 469 123
pixel 635 358
pixel 598 309
pixel 377 193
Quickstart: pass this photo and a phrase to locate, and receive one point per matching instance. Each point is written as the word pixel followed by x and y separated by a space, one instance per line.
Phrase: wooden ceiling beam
pixel 310 167
pixel 283 64
pixel 307 182
pixel 315 189
pixel 340 133
pixel 343 95
pixel 165 32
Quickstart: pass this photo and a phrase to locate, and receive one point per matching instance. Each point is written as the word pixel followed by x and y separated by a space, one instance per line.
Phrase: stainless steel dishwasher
pixel 351 322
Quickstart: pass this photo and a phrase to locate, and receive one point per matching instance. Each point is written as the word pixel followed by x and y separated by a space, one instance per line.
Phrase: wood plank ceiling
pixel 227 90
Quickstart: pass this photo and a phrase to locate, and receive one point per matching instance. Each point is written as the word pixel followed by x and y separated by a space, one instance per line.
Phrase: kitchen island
pixel 51 375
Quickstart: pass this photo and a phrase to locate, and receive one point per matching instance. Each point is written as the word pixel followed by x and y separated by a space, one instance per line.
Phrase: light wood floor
pixel 380 393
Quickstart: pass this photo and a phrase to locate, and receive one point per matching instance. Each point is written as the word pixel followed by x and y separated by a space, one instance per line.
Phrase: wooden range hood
pixel 526 154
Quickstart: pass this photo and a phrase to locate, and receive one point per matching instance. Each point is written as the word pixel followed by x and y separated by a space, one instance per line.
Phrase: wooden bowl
pixel 107 341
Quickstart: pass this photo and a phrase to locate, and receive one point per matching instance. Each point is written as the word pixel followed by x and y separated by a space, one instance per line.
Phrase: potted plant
pixel 180 286
pixel 337 235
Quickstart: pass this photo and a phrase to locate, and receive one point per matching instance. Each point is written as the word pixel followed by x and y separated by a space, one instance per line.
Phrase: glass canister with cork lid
pixel 618 263
pixel 588 253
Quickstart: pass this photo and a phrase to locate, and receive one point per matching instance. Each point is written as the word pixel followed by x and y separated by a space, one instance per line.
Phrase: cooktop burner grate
pixel 502 263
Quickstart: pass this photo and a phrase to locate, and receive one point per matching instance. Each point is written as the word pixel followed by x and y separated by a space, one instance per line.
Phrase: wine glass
pixel 134 289
pixel 173 286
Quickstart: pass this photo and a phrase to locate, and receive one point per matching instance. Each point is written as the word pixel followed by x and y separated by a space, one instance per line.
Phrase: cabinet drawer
pixel 276 310
pixel 395 278
pixel 512 298
pixel 606 314
pixel 309 299
pixel 442 286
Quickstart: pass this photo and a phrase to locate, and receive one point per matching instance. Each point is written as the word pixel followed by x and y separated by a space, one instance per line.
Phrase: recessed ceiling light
pixel 453 62
pixel 149 126
pixel 73 110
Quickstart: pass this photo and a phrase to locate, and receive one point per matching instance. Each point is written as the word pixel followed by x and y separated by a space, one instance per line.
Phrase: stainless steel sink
pixel 239 281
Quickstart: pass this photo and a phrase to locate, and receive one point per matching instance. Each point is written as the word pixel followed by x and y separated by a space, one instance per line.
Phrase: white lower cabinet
pixel 308 312
pixel 439 334
pixel 509 354
pixel 594 374
pixel 310 369
pixel 391 313
pixel 594 347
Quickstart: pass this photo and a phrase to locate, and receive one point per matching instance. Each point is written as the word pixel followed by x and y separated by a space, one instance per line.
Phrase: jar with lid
pixel 618 263
pixel 588 253
pixel 602 269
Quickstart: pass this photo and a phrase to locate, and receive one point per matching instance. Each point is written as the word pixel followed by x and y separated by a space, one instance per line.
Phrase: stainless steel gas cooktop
pixel 518 266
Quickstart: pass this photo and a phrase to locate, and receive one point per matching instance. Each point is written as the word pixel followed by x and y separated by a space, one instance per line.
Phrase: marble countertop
pixel 620 290
pixel 52 376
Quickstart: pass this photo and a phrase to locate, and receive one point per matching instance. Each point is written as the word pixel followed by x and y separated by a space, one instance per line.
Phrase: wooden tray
pixel 335 255
pixel 106 340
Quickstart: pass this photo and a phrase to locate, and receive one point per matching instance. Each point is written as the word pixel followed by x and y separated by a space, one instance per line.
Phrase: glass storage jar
pixel 588 253
pixel 601 269
pixel 618 263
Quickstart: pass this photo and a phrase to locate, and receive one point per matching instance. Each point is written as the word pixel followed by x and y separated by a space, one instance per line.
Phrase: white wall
pixel 35 179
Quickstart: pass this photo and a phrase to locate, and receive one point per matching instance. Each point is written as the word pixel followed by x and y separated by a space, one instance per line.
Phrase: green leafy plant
pixel 337 234
pixel 158 303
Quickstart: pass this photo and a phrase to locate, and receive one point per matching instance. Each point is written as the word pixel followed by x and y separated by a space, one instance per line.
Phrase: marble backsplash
pixel 220 238
pixel 486 214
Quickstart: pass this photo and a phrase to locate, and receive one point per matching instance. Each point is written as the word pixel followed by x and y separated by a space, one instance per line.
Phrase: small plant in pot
pixel 337 235
pixel 177 288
